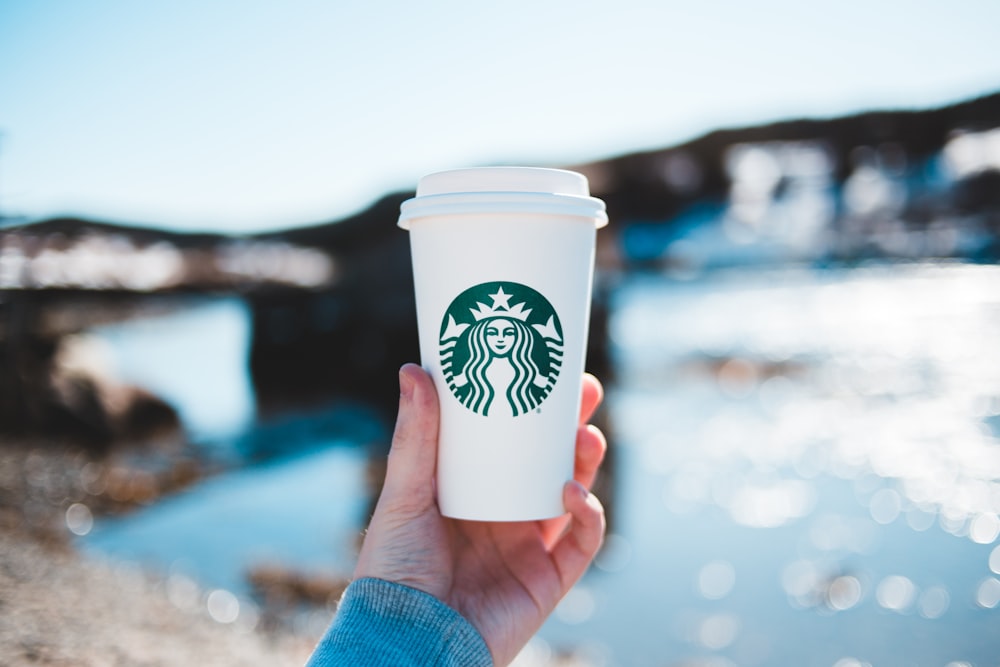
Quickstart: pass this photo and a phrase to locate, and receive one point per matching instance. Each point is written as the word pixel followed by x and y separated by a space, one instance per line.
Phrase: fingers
pixel 576 549
pixel 412 458
pixel 590 450
pixel 591 446
pixel 593 394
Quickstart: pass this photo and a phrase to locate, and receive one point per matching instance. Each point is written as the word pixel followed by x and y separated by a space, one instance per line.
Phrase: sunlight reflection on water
pixel 891 373
pixel 817 451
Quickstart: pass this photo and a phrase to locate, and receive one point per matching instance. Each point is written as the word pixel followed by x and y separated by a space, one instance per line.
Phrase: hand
pixel 504 578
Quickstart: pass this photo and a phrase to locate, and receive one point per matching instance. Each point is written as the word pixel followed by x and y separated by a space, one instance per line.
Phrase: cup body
pixel 503 305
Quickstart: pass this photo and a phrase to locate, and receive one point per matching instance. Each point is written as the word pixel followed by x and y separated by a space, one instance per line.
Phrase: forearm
pixel 382 623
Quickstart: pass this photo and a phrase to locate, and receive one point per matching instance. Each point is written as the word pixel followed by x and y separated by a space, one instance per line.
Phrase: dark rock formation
pixel 42 394
pixel 347 340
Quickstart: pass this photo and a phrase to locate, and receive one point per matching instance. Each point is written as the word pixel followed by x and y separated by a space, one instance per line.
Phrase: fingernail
pixel 405 385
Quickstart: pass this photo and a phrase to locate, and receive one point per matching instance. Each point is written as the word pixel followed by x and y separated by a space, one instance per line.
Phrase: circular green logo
pixel 501 347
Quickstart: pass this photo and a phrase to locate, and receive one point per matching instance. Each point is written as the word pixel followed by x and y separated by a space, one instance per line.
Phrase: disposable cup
pixel 503 261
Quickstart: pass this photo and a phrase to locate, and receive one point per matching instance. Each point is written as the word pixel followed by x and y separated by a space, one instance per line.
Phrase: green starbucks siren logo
pixel 501 348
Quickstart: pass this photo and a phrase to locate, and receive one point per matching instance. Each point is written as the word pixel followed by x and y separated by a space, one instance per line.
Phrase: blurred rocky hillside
pixel 332 306
pixel 890 184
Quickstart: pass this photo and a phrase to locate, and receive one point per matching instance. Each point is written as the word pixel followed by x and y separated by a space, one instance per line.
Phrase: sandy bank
pixel 59 608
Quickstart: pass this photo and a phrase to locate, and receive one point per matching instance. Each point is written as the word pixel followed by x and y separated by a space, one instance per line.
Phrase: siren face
pixel 500 336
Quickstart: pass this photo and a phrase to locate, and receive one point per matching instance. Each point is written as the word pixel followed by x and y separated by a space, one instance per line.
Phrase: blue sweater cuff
pixel 382 623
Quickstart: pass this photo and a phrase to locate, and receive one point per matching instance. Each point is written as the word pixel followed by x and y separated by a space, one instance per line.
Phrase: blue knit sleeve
pixel 382 623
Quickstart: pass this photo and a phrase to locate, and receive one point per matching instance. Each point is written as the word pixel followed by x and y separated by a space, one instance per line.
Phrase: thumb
pixel 413 456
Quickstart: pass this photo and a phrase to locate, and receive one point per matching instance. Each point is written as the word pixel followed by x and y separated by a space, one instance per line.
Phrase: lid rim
pixel 478 203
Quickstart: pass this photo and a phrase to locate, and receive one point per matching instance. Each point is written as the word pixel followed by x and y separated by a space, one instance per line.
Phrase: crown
pixel 501 308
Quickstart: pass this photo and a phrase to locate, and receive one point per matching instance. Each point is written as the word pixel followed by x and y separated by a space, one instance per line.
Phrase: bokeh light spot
pixel 800 579
pixel 995 560
pixel 614 555
pixel 844 592
pixel 896 593
pixel 985 528
pixel 223 606
pixel 79 519
pixel 577 607
pixel 919 520
pixel 988 593
pixel 716 579
pixel 934 602
pixel 718 631
pixel 885 506
pixel 183 593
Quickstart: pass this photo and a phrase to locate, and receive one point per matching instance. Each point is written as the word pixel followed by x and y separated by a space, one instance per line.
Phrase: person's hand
pixel 504 578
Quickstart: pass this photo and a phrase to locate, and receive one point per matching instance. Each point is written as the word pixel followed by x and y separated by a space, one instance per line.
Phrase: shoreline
pixel 60 607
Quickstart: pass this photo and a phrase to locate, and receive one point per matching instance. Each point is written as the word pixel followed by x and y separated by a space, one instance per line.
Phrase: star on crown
pixel 501 308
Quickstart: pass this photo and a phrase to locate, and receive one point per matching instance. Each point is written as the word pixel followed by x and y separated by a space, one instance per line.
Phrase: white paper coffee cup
pixel 503 262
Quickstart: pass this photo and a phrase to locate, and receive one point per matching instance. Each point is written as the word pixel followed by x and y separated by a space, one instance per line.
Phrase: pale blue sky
pixel 245 115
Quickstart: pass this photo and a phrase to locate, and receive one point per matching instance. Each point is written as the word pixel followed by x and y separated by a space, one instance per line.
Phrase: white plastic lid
pixel 503 190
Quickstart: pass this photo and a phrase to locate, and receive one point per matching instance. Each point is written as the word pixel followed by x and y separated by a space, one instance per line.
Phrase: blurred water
pixel 195 359
pixel 807 473
pixel 298 491
pixel 301 512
